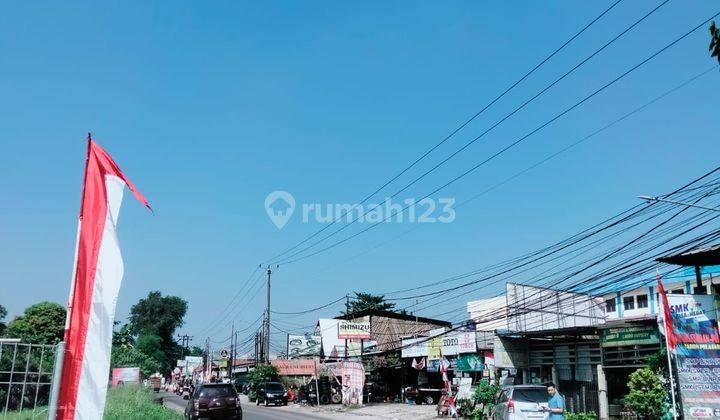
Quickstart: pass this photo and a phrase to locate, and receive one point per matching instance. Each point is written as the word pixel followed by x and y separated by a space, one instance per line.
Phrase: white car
pixel 521 402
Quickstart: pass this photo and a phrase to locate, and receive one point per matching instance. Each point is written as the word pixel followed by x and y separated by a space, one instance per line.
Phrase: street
pixel 253 412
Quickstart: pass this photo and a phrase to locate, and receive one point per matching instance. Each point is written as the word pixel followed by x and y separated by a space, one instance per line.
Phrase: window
pixel 678 291
pixel 642 301
pixel 610 305
pixel 629 302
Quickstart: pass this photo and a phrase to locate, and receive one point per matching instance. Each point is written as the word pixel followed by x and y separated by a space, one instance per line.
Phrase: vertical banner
pixel 97 274
pixel 697 352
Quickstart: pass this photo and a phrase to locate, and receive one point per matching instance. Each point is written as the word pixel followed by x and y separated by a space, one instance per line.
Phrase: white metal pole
pixel 672 380
pixel 55 387
pixel 668 350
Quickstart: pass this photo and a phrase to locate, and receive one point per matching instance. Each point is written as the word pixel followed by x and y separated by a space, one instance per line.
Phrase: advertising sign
pixel 414 347
pixel 351 330
pixel 123 376
pixel 332 346
pixel 510 353
pixel 294 367
pixel 463 342
pixel 303 345
pixel 630 336
pixel 695 324
pixel 435 344
pixel 470 363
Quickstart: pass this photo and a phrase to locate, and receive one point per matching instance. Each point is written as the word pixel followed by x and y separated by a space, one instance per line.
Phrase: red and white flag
pixel 419 365
pixel 664 317
pixel 97 274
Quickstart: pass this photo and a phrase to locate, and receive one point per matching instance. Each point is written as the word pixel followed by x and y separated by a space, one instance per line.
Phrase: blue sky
pixel 208 107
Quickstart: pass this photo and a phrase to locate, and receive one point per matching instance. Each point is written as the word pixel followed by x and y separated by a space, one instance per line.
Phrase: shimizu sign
pixel 353 330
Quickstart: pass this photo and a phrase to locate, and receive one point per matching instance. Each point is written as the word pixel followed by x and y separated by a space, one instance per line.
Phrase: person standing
pixel 556 403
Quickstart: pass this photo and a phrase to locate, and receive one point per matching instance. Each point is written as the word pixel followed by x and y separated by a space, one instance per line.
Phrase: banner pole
pixel 667 325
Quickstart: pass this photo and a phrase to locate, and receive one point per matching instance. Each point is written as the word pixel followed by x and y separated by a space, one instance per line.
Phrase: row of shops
pixel 587 345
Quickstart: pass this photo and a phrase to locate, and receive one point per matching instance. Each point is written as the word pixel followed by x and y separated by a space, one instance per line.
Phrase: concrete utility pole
pixel 266 353
pixel 185 339
pixel 347 317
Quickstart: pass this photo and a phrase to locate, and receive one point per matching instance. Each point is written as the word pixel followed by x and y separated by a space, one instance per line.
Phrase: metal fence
pixel 26 373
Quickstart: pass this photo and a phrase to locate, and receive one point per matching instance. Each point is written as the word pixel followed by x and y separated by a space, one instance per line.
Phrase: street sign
pixel 224 353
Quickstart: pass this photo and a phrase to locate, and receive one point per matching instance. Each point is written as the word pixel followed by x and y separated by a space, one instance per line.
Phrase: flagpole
pixel 666 325
pixel 672 380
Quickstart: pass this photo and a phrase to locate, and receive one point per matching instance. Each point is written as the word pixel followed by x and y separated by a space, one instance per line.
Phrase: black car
pixel 271 393
pixel 216 401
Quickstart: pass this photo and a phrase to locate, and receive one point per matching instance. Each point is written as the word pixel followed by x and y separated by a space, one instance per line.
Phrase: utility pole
pixel 186 339
pixel 347 317
pixel 266 337
pixel 232 354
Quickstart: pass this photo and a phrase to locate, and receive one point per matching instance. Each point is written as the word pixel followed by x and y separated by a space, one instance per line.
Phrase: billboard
pixel 510 353
pixel 414 347
pixel 332 346
pixel 463 342
pixel 695 325
pixel 531 308
pixel 303 345
pixel 294 367
pixel 629 336
pixel 127 375
pixel 352 330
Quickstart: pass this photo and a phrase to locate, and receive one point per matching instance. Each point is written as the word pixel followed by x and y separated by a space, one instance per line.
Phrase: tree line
pixel 145 340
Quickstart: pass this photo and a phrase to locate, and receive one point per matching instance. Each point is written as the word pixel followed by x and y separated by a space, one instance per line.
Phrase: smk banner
pixel 697 352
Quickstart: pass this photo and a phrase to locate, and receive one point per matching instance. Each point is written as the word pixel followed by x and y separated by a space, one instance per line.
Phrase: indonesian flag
pixel 419 365
pixel 97 274
pixel 664 318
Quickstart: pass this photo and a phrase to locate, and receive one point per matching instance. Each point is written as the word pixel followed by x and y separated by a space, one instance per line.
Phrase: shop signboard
pixel 332 346
pixel 124 376
pixel 414 347
pixel 435 344
pixel 695 324
pixel 192 363
pixel 352 330
pixel 463 342
pixel 510 353
pixel 294 367
pixel 303 345
pixel 630 336
pixel 470 363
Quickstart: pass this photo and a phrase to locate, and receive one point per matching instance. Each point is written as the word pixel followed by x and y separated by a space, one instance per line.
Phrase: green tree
pixel 160 316
pixel 714 41
pixel 42 323
pixel 129 356
pixel 263 373
pixel 365 301
pixel 123 337
pixel 151 346
pixel 647 395
pixel 3 314
pixel 196 351
pixel 484 397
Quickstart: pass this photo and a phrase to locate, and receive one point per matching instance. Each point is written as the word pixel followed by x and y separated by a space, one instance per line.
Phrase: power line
pixel 290 258
pixel 459 128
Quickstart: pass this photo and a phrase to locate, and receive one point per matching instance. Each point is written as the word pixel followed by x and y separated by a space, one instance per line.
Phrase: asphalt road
pixel 250 411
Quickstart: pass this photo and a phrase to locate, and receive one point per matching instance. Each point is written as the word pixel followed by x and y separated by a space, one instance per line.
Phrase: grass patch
pixel 134 402
pixel 40 413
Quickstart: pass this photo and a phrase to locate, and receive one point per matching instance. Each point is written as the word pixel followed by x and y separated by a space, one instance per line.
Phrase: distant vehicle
pixel 521 402
pixel 214 400
pixel 424 394
pixel 271 393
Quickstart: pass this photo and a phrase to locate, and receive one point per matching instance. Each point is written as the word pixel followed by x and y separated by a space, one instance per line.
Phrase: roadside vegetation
pixel 135 402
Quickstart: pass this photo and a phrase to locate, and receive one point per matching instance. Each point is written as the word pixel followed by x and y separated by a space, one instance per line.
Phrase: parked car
pixel 521 402
pixel 217 401
pixel 271 393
